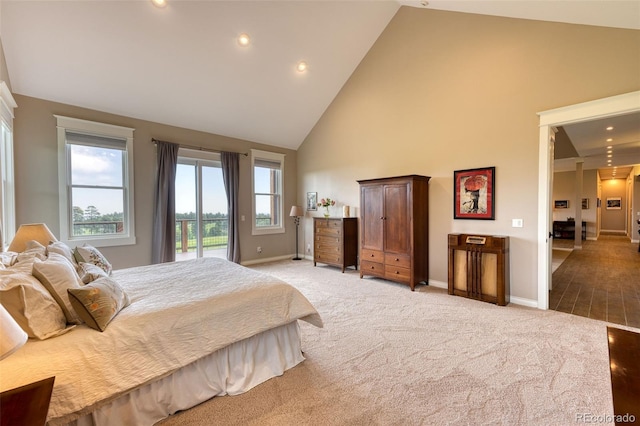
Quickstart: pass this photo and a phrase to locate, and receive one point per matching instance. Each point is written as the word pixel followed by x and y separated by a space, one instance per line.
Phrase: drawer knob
pixel 373 267
pixel 372 255
pixel 397 260
pixel 397 272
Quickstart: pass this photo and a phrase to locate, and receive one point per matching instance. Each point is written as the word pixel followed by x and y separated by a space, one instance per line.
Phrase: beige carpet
pixel 389 356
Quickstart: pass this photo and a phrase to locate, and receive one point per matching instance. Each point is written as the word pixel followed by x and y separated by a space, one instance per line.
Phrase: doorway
pixel 201 206
pixel 549 121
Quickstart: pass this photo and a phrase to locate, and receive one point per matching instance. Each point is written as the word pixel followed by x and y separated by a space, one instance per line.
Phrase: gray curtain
pixel 231 175
pixel 164 215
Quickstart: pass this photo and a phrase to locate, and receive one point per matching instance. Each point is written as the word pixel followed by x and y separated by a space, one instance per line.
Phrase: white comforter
pixel 179 312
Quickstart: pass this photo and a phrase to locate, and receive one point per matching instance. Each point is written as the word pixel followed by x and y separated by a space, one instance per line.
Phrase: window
pixel 95 169
pixel 202 221
pixel 7 188
pixel 267 180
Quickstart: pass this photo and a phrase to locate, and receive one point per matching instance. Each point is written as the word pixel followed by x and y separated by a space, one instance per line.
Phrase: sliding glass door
pixel 201 206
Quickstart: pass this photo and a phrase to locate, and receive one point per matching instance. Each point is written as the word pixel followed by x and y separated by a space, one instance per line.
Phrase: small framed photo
pixel 614 203
pixel 312 201
pixel 585 204
pixel 474 193
pixel 561 204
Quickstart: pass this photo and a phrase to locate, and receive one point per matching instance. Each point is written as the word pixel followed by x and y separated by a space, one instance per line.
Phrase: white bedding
pixel 179 312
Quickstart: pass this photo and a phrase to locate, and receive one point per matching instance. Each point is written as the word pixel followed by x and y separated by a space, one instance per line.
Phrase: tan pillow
pixel 89 272
pixel 97 303
pixel 31 305
pixel 57 274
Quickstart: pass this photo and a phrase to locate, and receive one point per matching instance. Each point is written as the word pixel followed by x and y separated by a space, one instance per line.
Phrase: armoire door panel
pixel 396 218
pixel 372 217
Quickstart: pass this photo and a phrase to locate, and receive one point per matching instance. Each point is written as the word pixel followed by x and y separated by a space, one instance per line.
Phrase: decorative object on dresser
pixel 394 229
pixel 479 267
pixel 326 203
pixel 296 212
pixel 474 193
pixel 335 241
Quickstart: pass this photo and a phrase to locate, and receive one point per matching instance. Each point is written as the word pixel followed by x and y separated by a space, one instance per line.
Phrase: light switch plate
pixel 517 223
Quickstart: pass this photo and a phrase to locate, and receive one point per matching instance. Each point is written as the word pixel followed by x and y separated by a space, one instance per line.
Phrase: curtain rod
pixel 199 148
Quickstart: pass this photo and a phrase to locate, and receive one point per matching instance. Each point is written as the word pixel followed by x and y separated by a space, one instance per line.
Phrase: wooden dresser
pixel 394 229
pixel 335 241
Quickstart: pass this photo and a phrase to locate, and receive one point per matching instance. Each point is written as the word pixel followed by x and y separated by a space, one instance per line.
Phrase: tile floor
pixel 600 281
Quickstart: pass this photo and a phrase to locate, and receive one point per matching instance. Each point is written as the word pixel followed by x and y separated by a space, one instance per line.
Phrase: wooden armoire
pixel 394 229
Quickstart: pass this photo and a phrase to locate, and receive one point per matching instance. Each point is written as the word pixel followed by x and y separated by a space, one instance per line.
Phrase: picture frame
pixel 585 204
pixel 474 193
pixel 561 204
pixel 312 201
pixel 614 203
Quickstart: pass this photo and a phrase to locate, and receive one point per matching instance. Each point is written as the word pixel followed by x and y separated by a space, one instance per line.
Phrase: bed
pixel 188 331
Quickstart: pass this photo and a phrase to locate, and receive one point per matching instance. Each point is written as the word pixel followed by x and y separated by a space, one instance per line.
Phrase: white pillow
pixel 63 249
pixel 31 305
pixel 57 274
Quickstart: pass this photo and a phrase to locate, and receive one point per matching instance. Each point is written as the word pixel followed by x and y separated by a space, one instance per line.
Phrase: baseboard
pixel 512 299
pixel 266 260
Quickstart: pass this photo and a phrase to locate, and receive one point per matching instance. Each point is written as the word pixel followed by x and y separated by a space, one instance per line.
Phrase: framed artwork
pixel 474 193
pixel 561 204
pixel 614 203
pixel 312 201
pixel 585 204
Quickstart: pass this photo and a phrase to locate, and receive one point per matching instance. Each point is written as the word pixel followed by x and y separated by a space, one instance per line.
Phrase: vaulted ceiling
pixel 182 65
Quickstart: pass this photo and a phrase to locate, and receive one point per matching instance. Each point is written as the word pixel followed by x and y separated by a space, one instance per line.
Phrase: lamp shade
pixel 12 336
pixel 30 232
pixel 296 211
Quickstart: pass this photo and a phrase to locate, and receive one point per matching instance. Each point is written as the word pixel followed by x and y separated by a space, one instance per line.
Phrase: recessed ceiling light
pixel 610 128
pixel 302 66
pixel 609 140
pixel 159 3
pixel 609 147
pixel 244 39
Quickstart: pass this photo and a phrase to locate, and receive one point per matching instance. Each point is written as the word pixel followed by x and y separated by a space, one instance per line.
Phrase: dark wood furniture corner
pixel 394 229
pixel 26 405
pixel 566 229
pixel 335 241
pixel 479 267
pixel 624 351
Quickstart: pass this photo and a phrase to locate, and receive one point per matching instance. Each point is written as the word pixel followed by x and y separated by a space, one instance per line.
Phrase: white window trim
pixel 264 230
pixel 8 209
pixel 97 129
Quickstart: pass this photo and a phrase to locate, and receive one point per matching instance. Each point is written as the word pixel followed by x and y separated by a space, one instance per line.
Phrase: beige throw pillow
pixel 57 274
pixel 97 303
pixel 90 254
pixel 89 272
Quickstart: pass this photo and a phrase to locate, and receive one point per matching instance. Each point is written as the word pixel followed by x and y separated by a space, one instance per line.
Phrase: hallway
pixel 600 281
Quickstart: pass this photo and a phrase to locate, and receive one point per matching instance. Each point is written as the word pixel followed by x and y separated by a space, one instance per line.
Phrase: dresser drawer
pixel 329 231
pixel 371 268
pixel 328 245
pixel 372 256
pixel 327 257
pixel 394 273
pixel 397 260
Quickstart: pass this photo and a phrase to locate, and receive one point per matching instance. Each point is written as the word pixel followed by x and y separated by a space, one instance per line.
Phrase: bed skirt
pixel 228 371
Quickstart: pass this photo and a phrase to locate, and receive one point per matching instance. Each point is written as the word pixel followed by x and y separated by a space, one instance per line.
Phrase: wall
pixel 36 168
pixel 4 73
pixel 443 91
pixel 614 219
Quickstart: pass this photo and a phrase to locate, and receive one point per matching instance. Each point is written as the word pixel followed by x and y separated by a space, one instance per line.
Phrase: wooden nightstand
pixel 26 405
